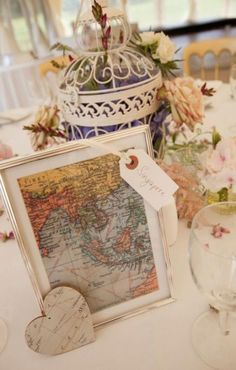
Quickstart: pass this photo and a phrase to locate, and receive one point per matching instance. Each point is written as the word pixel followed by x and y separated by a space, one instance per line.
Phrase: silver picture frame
pixel 20 174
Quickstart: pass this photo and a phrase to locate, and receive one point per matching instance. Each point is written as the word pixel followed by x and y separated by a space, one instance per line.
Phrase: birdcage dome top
pixel 123 69
pixel 100 28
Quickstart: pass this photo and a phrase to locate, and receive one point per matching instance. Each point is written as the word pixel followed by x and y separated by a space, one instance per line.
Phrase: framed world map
pixel 79 224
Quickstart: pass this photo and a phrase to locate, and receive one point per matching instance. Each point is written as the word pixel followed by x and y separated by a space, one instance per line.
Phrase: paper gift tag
pixel 66 326
pixel 147 178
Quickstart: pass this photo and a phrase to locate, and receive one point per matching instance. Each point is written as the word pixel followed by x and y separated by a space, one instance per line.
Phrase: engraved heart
pixel 66 326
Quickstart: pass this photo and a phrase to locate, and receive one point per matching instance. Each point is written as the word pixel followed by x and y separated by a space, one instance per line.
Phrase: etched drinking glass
pixel 212 257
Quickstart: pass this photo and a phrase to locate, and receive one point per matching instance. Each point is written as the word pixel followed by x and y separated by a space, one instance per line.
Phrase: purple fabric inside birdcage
pixel 76 132
pixel 154 120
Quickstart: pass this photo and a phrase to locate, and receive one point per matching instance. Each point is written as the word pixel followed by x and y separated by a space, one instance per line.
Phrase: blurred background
pixel 29 27
pixel 53 19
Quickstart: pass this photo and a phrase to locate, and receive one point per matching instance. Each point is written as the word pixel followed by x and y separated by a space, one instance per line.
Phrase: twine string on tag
pixel 109 149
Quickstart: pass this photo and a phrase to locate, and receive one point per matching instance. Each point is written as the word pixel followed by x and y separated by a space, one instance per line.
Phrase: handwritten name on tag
pixel 147 178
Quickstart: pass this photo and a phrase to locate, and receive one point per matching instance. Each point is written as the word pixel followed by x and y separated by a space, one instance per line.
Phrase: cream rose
pixel 186 101
pixel 165 50
pixel 147 38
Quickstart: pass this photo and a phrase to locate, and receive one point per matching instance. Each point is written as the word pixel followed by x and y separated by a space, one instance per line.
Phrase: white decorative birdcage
pixel 107 88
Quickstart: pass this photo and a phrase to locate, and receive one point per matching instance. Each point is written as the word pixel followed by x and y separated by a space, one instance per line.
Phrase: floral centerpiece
pixel 159 48
pixel 182 100
pixel 110 61
pixel 179 100
pixel 101 72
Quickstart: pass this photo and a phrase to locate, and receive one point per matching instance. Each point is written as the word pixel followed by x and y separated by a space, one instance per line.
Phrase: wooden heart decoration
pixel 66 326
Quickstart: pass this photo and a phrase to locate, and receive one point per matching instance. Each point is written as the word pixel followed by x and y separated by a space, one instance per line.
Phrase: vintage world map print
pixel 91 230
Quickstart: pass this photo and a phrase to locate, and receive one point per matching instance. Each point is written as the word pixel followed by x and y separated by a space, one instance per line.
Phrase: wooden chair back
pixel 210 59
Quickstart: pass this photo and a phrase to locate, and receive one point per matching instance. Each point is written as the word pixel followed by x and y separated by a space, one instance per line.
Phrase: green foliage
pixel 57 65
pixel 167 68
pixel 149 50
pixel 215 137
pixel 97 11
pixel 62 47
pixel 223 195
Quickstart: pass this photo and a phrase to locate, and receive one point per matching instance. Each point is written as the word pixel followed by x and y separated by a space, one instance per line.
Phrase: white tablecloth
pixel 221 113
pixel 157 340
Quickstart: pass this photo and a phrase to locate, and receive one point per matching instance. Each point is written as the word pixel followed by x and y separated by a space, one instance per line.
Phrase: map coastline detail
pixel 91 230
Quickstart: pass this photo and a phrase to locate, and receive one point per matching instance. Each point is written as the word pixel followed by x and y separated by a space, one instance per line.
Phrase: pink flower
pixel 218 231
pixel 220 165
pixel 223 156
pixel 223 179
pixel 5 151
pixel 185 100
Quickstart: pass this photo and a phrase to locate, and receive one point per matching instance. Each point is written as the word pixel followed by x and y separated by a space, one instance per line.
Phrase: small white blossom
pixel 165 49
pixel 147 38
